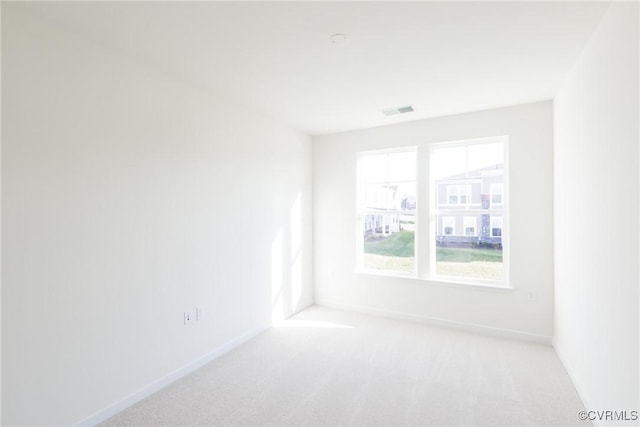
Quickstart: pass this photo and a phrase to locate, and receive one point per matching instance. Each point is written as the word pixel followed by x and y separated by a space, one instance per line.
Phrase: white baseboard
pixel 160 383
pixel 572 377
pixel 469 327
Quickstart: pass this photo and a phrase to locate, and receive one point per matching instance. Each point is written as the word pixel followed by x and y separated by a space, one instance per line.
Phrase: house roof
pixel 493 170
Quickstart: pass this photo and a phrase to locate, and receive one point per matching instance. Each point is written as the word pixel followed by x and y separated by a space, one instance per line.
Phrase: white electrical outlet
pixel 199 313
pixel 187 317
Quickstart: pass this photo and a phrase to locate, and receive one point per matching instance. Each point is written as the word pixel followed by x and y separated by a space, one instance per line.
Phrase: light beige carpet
pixel 332 368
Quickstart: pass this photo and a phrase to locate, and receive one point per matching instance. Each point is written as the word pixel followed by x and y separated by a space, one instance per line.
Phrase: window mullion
pixel 424 216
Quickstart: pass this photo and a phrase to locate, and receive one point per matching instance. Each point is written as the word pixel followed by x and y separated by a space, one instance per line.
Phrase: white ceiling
pixel 277 58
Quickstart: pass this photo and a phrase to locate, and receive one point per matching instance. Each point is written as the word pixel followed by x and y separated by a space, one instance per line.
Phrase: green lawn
pixel 468 254
pixel 398 244
pixel 469 262
pixel 396 253
pixel 401 244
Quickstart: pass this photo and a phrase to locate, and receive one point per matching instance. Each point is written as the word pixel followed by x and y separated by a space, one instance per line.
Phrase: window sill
pixel 382 273
pixel 439 280
pixel 461 281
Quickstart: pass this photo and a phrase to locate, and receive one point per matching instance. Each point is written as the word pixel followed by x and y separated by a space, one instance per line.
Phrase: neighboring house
pixel 381 224
pixel 395 210
pixel 470 207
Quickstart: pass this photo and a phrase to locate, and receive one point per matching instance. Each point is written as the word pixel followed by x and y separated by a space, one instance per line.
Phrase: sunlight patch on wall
pixel 277 277
pixel 296 252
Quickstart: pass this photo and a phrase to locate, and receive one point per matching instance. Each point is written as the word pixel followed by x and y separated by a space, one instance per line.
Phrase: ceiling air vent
pixel 398 110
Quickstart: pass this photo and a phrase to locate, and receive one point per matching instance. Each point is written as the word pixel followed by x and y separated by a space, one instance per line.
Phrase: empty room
pixel 352 213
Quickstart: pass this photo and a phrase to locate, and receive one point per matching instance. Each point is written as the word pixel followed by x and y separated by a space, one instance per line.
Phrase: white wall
pixel 530 149
pixel 129 197
pixel 596 216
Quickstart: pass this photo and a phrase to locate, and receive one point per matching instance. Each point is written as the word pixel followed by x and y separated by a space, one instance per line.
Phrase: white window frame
pixel 458 194
pixel 362 212
pixel 465 221
pixel 469 210
pixel 426 226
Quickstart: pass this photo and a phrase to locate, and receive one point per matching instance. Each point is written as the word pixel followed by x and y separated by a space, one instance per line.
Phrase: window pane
pixel 468 181
pixel 388 210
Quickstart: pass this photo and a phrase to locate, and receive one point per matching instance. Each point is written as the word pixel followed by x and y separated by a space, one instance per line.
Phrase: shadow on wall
pixel 286 265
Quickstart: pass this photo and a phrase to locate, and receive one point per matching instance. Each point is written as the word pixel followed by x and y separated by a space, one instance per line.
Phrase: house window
pixel 387 210
pixel 448 225
pixel 496 193
pixel 453 194
pixel 458 194
pixel 496 226
pixel 470 225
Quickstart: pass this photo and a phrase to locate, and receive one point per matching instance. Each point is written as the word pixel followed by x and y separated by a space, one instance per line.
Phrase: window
pixel 496 193
pixel 460 211
pixel 470 225
pixel 496 226
pixel 458 194
pixel 448 225
pixel 387 209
